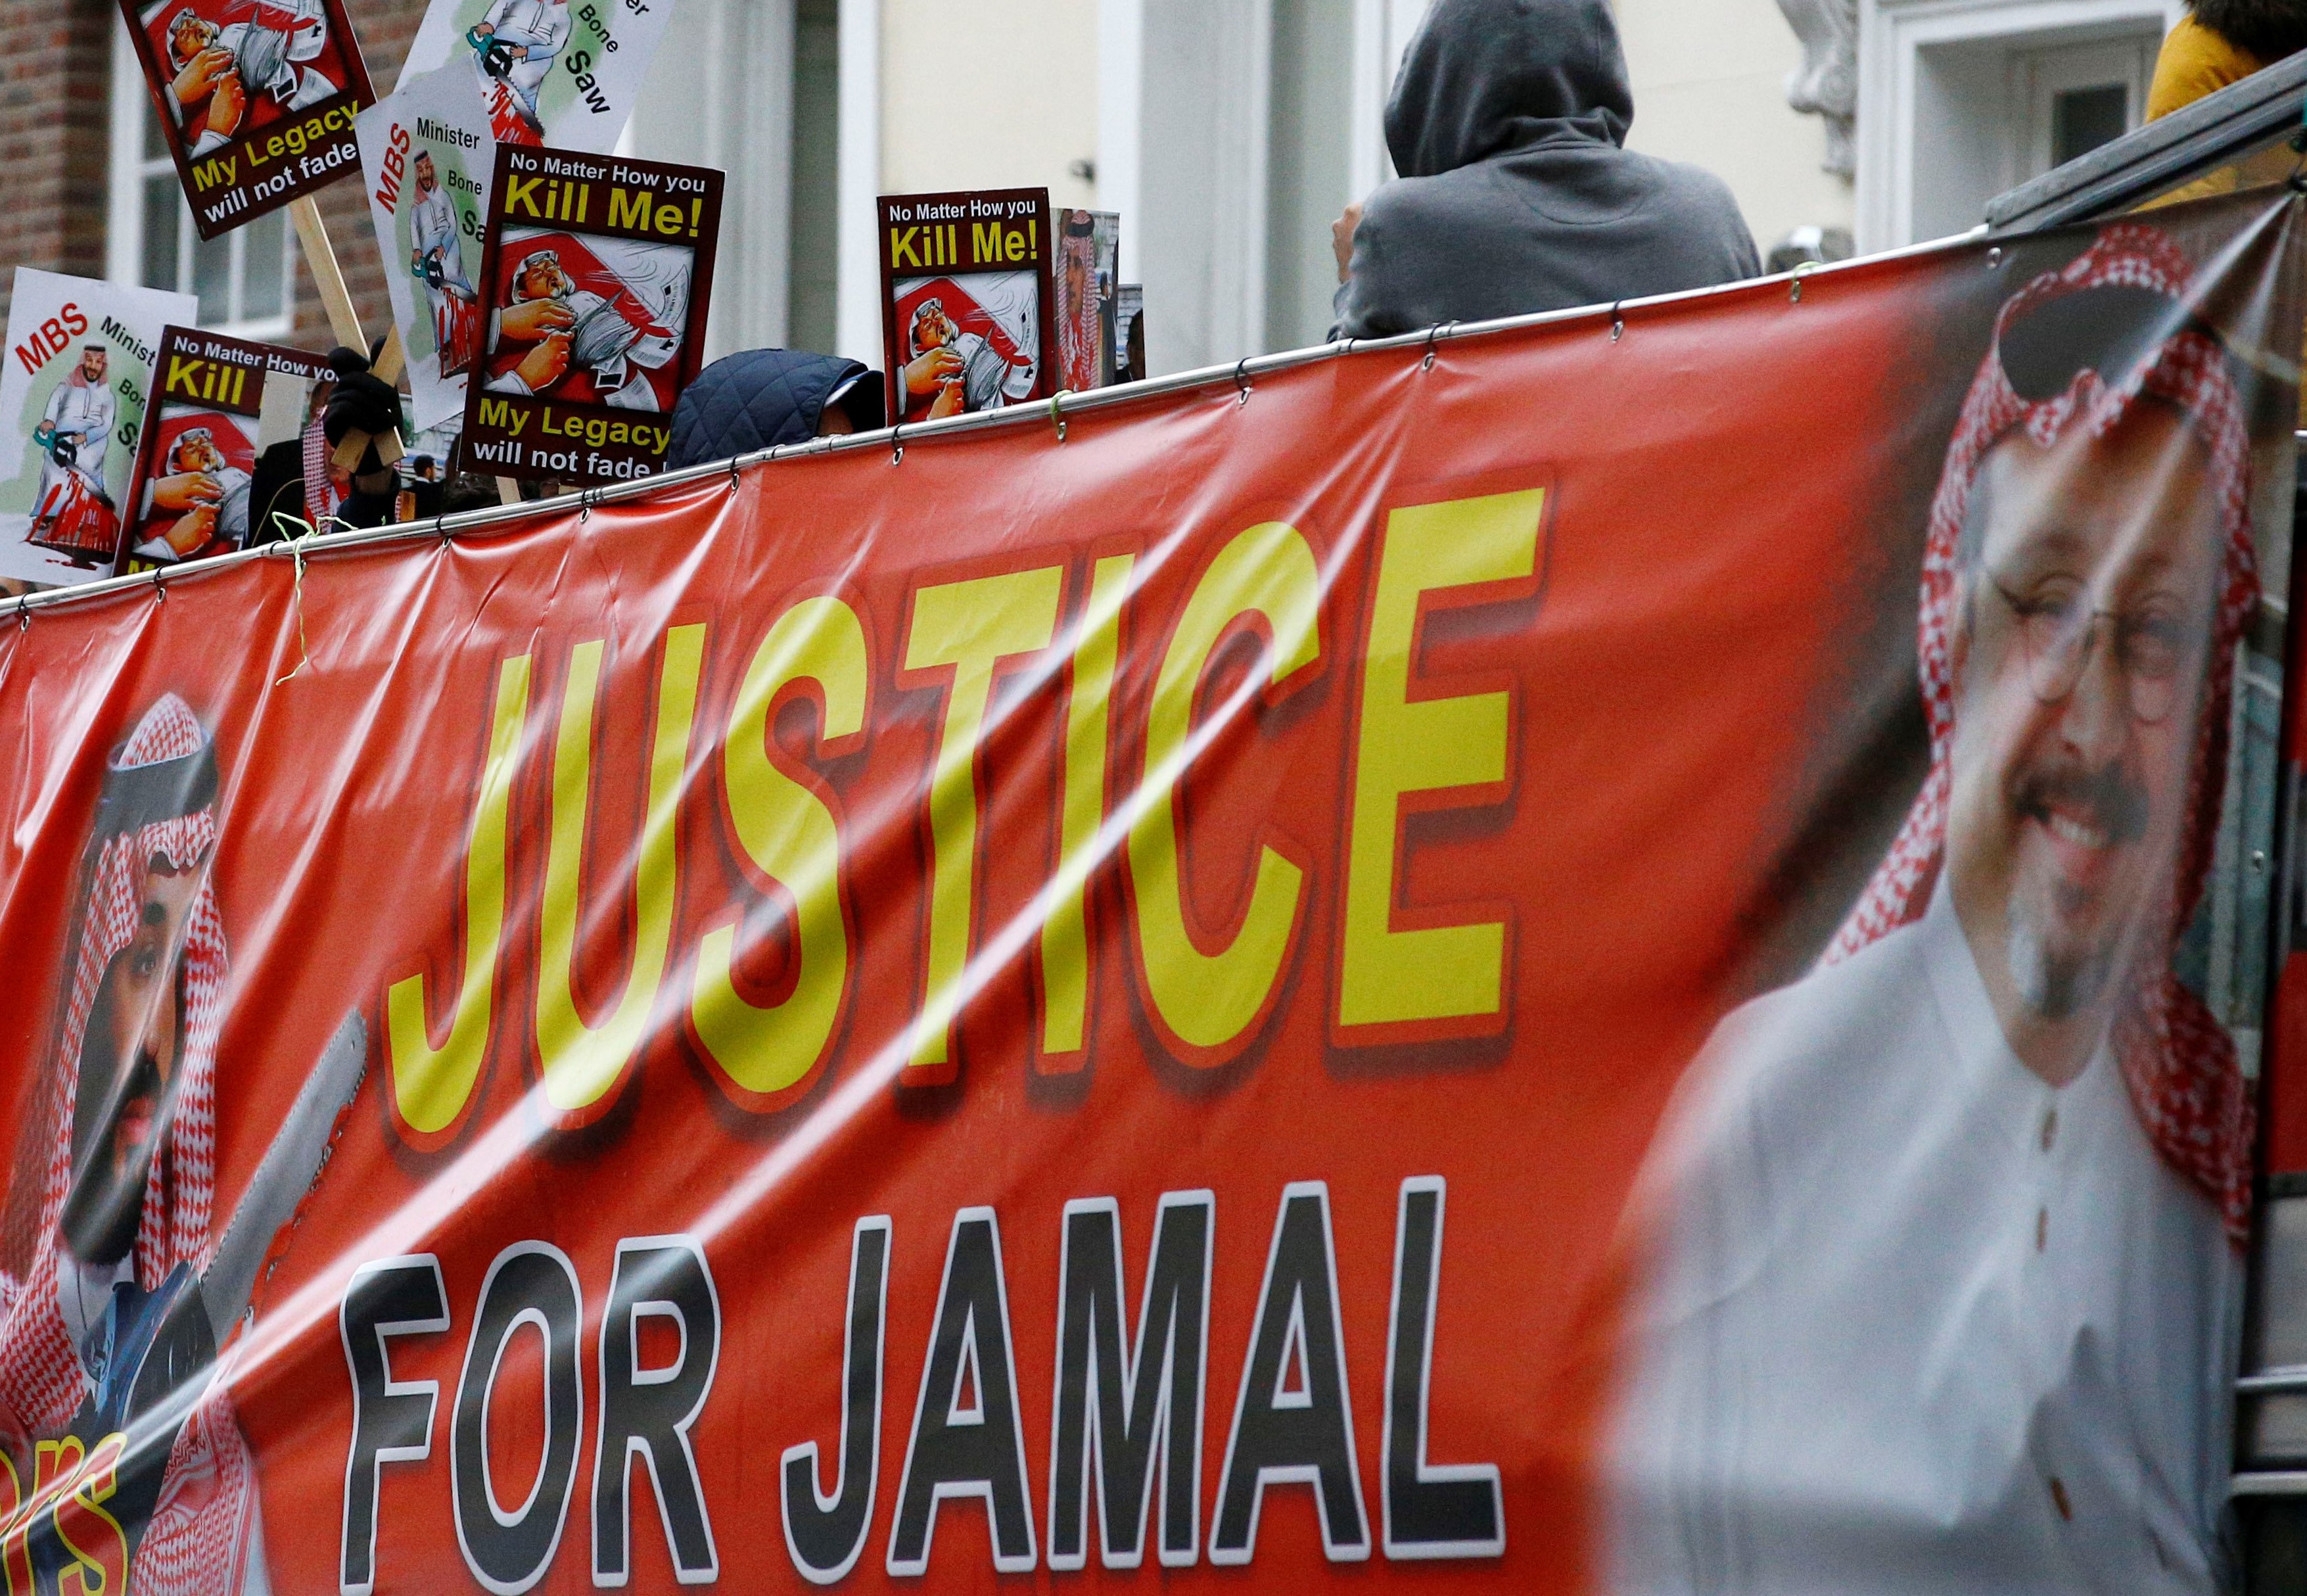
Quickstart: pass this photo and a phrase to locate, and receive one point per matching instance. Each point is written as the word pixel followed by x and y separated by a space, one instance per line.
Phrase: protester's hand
pixel 926 371
pixel 533 320
pixel 186 490
pixel 546 364
pixel 190 531
pixel 198 80
pixel 228 105
pixel 518 52
pixel 1341 239
pixel 951 401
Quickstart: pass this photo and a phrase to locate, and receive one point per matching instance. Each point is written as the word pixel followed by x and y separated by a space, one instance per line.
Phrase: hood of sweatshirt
pixel 1483 77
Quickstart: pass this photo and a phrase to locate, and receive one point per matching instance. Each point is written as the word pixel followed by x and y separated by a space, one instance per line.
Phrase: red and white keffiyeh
pixel 320 495
pixel 2180 1064
pixel 197 1542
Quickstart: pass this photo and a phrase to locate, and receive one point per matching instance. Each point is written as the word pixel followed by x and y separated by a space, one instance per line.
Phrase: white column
pixel 859 316
pixel 1120 93
pixel 1367 165
pixel 1202 132
pixel 1382 32
pixel 756 42
pixel 124 233
pixel 720 94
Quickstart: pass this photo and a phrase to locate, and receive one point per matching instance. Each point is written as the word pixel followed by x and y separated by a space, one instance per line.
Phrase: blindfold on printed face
pixel 128 1071
pixel 2114 330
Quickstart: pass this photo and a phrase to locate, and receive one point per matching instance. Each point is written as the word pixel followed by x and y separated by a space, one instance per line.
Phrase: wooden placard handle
pixel 336 299
pixel 344 320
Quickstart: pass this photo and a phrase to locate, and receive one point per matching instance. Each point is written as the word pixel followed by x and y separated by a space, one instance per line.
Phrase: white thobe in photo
pixel 1915 1320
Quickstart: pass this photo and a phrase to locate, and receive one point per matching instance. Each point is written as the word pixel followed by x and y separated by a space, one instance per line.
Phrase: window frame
pixel 1892 35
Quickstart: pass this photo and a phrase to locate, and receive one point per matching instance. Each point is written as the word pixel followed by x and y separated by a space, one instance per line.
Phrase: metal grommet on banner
pixel 160 593
pixel 897 446
pixel 733 472
pixel 1057 411
pixel 1794 289
pixel 584 505
pixel 23 617
pixel 1241 381
pixel 1618 322
pixel 1995 259
pixel 440 530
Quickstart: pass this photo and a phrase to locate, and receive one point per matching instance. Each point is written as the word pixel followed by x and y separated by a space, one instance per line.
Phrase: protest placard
pixel 426 157
pixel 966 300
pixel 1086 284
pixel 256 99
pixel 197 457
pixel 548 72
pixel 1129 333
pixel 71 396
pixel 595 276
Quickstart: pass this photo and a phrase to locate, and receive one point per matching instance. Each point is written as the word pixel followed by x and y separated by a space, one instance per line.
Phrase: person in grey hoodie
pixel 1508 124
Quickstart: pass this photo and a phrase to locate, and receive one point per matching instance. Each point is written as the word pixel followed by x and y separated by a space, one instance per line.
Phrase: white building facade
pixel 1229 133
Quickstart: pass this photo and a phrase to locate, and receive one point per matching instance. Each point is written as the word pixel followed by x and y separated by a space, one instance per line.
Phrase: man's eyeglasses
pixel 2058 633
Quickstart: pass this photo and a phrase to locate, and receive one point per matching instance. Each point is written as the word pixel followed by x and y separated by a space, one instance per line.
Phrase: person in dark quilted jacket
pixel 1507 125
pixel 760 397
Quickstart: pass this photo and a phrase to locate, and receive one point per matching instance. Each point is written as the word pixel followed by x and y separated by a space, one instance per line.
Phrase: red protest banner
pixel 1109 1000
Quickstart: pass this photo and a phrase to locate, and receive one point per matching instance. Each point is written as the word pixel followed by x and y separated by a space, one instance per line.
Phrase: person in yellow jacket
pixel 2216 43
pixel 2220 42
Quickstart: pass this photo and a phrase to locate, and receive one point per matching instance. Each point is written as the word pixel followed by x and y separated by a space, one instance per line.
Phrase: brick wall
pixel 55 66
pixel 56 70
